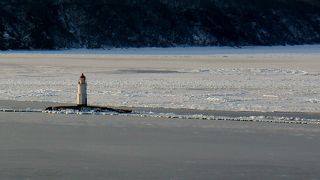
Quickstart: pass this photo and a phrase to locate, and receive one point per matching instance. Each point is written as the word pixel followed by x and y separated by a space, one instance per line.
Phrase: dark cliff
pixel 59 24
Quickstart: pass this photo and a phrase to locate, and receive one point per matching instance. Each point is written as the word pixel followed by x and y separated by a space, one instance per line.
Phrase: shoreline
pixel 177 51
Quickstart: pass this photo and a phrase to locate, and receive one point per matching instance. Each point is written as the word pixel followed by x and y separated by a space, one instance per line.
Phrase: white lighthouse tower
pixel 82 91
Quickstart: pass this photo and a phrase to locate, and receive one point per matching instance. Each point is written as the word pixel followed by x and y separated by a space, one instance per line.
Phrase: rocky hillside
pixel 58 24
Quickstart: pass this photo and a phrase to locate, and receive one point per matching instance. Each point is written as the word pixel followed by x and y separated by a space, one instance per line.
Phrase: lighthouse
pixel 82 102
pixel 82 91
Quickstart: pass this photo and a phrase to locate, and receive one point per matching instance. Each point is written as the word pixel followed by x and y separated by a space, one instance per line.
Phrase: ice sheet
pixel 249 78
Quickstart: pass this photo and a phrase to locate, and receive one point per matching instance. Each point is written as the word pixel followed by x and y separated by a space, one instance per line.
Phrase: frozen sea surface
pixel 241 79
pixel 45 146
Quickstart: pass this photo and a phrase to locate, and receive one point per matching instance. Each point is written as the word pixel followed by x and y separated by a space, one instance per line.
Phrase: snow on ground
pixel 249 78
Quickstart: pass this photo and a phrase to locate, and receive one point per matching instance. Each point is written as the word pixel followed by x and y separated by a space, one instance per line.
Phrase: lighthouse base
pixel 89 108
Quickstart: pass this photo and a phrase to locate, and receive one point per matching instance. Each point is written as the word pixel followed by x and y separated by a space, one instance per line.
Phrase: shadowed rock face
pixel 51 24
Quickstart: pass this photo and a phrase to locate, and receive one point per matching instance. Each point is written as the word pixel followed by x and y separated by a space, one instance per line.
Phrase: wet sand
pixel 46 146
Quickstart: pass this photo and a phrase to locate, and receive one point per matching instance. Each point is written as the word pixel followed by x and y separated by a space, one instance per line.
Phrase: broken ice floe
pixel 146 114
pixel 237 89
pixel 270 119
pixel 20 110
pixel 315 101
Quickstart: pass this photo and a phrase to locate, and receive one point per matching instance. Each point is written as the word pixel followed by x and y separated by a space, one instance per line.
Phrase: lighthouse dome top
pixel 82 76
